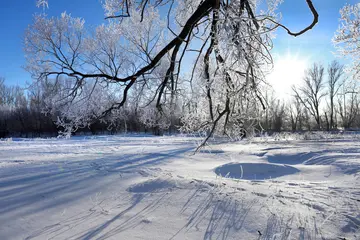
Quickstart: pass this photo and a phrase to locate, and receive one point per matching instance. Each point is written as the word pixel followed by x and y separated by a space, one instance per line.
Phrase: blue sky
pixel 16 15
pixel 316 44
pixel 292 55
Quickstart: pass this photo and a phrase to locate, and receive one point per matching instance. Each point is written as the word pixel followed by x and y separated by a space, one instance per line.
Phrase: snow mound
pixel 254 171
pixel 155 185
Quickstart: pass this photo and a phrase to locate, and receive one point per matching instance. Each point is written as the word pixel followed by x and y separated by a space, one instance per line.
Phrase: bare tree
pixel 275 113
pixel 348 103
pixel 335 72
pixel 295 110
pixel 311 93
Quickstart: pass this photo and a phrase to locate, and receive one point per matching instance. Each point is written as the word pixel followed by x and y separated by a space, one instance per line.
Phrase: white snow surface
pixel 146 187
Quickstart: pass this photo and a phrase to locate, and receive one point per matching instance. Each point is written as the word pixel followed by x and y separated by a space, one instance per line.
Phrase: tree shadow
pixel 37 188
pixel 221 216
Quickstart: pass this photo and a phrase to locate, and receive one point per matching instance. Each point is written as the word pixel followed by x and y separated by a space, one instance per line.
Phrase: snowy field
pixel 145 187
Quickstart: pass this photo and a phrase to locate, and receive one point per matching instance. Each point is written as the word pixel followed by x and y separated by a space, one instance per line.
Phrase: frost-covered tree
pixel 335 72
pixel 139 48
pixel 311 92
pixel 295 110
pixel 347 37
pixel 348 103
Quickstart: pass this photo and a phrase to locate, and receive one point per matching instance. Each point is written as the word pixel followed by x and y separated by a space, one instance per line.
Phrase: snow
pixel 146 187
pixel 255 171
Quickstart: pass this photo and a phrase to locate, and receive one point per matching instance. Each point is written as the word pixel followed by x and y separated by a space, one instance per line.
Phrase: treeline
pixel 326 100
pixel 22 115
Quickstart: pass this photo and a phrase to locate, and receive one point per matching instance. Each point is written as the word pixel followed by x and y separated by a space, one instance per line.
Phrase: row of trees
pixel 326 100
pixel 21 113
pixel 129 70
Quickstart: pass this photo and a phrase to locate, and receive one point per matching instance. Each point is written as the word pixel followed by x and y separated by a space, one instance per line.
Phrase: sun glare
pixel 288 71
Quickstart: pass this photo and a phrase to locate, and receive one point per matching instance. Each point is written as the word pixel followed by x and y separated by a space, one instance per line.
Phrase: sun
pixel 288 71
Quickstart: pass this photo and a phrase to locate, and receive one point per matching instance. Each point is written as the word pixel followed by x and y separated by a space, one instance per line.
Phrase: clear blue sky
pixel 16 15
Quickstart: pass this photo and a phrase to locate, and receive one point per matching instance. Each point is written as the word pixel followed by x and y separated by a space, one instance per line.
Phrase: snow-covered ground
pixel 144 187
